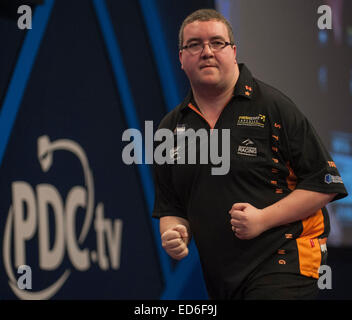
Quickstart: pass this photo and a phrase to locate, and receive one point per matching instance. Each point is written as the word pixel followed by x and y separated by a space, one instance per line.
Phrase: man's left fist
pixel 246 221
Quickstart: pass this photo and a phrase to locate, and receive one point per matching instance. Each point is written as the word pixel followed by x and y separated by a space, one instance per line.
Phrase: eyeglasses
pixel 215 45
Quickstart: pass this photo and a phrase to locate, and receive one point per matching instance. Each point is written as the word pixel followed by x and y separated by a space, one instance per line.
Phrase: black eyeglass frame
pixel 226 43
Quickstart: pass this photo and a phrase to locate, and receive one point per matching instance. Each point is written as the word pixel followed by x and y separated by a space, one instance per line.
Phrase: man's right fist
pixel 175 241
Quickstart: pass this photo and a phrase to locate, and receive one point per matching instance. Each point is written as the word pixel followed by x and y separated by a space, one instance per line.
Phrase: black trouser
pixel 281 286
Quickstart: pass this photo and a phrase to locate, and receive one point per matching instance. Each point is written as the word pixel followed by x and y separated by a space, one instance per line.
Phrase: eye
pixel 217 44
pixel 193 45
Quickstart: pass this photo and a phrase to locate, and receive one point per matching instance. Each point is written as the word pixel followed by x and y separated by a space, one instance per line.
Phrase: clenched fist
pixel 246 220
pixel 175 241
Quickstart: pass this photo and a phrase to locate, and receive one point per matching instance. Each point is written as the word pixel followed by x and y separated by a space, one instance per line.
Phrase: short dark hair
pixel 205 15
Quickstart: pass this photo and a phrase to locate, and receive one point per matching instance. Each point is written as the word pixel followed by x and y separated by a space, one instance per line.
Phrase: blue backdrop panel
pixel 70 208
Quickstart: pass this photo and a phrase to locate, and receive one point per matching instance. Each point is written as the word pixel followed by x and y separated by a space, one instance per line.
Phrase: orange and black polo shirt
pixel 273 150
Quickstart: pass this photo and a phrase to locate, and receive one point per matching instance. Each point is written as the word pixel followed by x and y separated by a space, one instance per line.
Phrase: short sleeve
pixel 309 159
pixel 166 202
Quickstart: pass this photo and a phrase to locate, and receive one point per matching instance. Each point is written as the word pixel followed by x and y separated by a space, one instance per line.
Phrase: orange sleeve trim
pixel 332 164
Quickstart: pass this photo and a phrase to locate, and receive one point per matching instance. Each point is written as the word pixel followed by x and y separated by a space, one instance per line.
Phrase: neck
pixel 211 100
pixel 214 99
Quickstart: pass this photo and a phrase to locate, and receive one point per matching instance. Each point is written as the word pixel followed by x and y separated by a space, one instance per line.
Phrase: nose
pixel 206 52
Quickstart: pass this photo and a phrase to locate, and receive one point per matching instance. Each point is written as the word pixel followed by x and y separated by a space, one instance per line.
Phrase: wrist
pixel 266 222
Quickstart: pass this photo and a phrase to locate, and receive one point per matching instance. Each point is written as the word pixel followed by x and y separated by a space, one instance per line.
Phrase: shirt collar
pixel 245 83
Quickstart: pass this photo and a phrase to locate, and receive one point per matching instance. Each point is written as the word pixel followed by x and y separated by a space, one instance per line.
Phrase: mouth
pixel 207 66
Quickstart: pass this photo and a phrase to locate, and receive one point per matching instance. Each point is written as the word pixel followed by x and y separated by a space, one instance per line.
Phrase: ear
pixel 235 53
pixel 180 57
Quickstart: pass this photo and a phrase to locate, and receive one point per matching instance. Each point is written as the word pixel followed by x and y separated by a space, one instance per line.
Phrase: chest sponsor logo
pixel 247 148
pixel 252 121
pixel 332 179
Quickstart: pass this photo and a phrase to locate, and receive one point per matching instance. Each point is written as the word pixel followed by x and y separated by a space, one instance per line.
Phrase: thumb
pixel 182 230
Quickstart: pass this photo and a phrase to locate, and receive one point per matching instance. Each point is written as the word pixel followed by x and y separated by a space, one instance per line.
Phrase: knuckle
pixel 165 235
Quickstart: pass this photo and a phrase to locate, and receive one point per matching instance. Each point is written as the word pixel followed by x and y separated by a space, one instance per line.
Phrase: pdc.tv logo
pixel 28 217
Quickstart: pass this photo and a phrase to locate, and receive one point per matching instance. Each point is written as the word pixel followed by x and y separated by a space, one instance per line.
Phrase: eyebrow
pixel 199 39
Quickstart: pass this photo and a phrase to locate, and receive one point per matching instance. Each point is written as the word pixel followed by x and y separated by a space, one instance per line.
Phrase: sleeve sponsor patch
pixel 329 178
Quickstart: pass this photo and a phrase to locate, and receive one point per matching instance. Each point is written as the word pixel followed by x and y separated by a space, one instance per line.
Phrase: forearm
pixel 298 205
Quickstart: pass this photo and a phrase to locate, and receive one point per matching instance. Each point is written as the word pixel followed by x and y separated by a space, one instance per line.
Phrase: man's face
pixel 208 67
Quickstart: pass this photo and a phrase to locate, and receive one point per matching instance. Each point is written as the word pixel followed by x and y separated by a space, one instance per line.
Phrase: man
pixel 260 229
